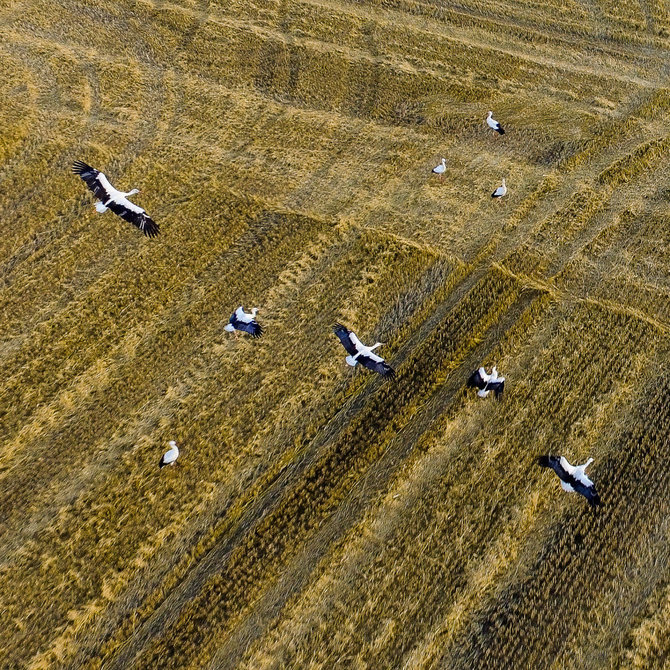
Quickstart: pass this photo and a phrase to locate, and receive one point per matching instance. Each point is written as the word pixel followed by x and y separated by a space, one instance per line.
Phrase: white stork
pixel 241 320
pixel 440 169
pixel 573 477
pixel 500 191
pixel 494 125
pixel 359 353
pixel 117 201
pixel 487 382
pixel 170 456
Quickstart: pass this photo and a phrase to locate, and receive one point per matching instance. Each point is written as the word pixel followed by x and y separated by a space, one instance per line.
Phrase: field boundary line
pixel 561 295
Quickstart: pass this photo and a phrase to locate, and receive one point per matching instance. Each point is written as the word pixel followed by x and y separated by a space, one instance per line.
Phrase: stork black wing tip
pixel 151 229
pixel 78 167
pixel 544 461
pixel 389 373
pixel 595 501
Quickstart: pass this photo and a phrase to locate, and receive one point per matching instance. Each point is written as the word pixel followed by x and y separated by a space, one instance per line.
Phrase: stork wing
pixel 566 465
pixel 476 379
pixel 134 214
pixel 589 492
pixel 348 339
pixel 555 464
pixel 355 341
pixel 576 471
pixel 583 478
pixel 94 179
pixel 252 327
pixel 547 461
pixel 497 388
pixel 377 364
pixel 242 316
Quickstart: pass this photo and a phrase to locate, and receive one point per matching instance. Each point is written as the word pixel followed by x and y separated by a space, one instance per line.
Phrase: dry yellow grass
pixel 319 517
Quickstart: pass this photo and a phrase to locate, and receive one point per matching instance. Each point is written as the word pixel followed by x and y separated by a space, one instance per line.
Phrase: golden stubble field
pixel 320 517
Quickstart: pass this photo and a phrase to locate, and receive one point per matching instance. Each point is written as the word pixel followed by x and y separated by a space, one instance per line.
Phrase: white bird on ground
pixel 573 477
pixel 241 320
pixel 359 353
pixel 494 125
pixel 500 191
pixel 117 201
pixel 487 382
pixel 440 169
pixel 170 456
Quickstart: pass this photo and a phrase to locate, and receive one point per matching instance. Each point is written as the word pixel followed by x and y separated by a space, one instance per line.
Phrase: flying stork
pixel 487 382
pixel 359 353
pixel 117 201
pixel 241 320
pixel 573 478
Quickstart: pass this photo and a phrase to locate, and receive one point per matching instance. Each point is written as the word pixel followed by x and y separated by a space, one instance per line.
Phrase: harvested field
pixel 319 516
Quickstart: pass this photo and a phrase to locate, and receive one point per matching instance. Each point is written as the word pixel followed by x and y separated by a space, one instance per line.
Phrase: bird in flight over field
pixel 241 320
pixel 487 382
pixel 170 456
pixel 500 191
pixel 117 201
pixel 440 169
pixel 359 353
pixel 573 478
pixel 494 125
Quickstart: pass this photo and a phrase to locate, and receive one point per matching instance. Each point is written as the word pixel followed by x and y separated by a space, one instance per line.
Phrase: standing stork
pixel 440 169
pixel 494 125
pixel 170 456
pixel 117 201
pixel 487 382
pixel 573 477
pixel 500 191
pixel 359 353
pixel 246 322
